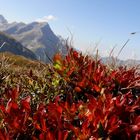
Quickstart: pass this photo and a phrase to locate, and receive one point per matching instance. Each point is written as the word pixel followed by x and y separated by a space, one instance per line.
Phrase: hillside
pixel 13 62
pixel 9 44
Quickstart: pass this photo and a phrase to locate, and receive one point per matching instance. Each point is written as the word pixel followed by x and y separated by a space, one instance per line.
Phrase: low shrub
pixel 76 98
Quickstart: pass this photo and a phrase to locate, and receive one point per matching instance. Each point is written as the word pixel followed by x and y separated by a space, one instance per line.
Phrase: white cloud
pixel 47 18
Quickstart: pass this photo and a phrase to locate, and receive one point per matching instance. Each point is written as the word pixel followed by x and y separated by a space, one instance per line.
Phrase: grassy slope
pixel 15 61
pixel 17 70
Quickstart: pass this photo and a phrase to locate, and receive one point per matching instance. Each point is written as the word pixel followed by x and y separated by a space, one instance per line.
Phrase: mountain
pixel 36 36
pixel 9 44
pixel 119 62
pixel 3 20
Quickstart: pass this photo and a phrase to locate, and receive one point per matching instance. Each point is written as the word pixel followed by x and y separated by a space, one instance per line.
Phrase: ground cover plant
pixel 75 98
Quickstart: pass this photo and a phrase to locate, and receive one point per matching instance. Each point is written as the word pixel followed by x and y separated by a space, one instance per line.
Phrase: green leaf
pixel 57 66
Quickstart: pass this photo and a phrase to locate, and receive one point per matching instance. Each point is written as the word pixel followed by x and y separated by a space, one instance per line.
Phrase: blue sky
pixel 107 22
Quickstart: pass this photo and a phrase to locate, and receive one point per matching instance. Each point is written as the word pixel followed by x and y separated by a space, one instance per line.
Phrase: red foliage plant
pixel 87 75
pixel 98 103
pixel 105 117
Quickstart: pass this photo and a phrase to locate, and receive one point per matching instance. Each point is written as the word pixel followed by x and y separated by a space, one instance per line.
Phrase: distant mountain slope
pixel 3 20
pixel 119 62
pixel 35 36
pixel 9 44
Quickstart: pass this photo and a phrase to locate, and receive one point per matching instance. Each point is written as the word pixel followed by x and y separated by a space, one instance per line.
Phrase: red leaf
pixel 90 68
pixel 37 126
pixel 15 93
pixel 65 135
pixel 2 137
pixel 31 73
pixel 75 54
pixel 68 59
pixel 97 88
pixel 26 103
pixel 70 71
pixel 85 125
pixel 137 137
pixel 42 136
pixel 57 57
pixel 34 138
pixel 59 109
pixel 9 106
pixel 15 123
pixel 62 135
pixel 135 128
pixel 77 89
pixel 113 119
pixel 113 74
pixel 2 108
pixel 43 124
pixel 82 83
pixel 137 121
pixel 50 136
pixel 14 106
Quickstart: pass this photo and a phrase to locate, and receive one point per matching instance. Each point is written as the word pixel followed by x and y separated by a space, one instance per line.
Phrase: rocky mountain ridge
pixel 35 36
pixel 9 44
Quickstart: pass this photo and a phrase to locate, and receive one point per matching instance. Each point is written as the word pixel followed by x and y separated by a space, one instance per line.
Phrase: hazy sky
pixel 109 22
